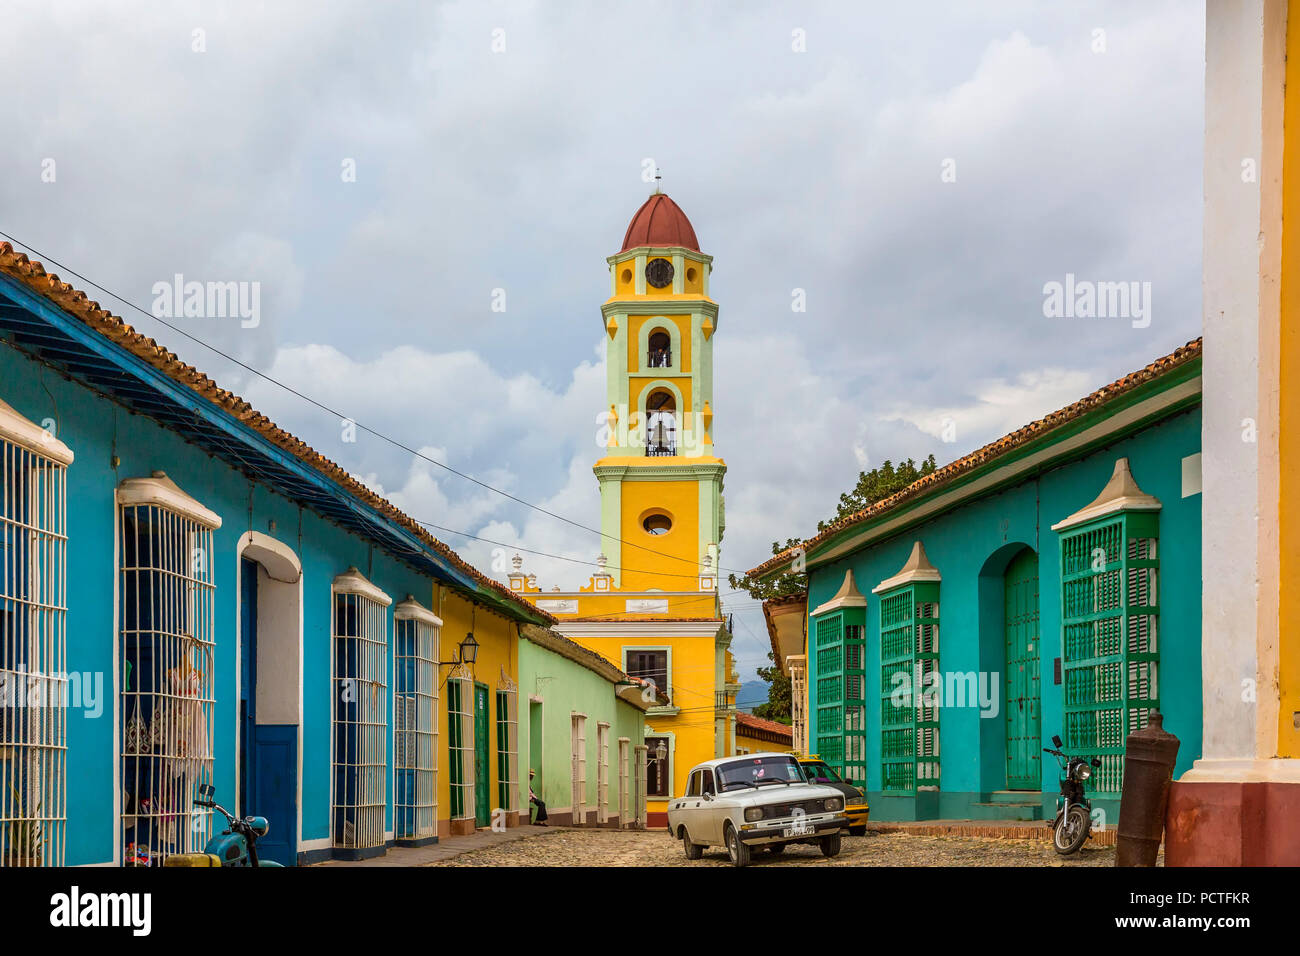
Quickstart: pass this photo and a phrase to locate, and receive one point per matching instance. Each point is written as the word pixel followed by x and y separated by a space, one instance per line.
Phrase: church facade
pixel 652 608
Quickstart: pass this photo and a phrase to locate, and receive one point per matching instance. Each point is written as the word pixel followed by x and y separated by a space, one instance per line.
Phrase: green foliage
pixel 872 486
pixel 778 706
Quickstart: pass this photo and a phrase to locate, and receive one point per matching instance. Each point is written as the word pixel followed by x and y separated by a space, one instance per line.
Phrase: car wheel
pixel 831 845
pixel 739 852
pixel 858 831
pixel 776 849
pixel 693 850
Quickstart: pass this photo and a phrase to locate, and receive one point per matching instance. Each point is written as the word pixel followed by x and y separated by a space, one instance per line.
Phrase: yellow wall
pixel 498 640
pixel 692 665
pixel 678 550
pixel 753 745
pixel 636 361
pixel 1289 408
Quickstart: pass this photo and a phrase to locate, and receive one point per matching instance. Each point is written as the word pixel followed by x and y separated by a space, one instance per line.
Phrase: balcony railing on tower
pixel 659 358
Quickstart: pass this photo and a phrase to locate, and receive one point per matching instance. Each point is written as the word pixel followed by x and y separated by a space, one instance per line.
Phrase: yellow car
pixel 855 798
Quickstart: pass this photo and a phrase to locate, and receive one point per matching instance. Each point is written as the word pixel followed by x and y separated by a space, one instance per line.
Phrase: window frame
pixel 369 779
pixel 37 624
pixel 418 818
pixel 170 538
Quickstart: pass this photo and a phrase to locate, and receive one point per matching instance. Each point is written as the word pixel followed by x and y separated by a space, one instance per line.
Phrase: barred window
pixel 460 742
pixel 359 712
pixel 415 746
pixel 33 620
pixel 624 790
pixel 578 751
pixel 602 772
pixel 166 645
pixel 507 745
pixel 640 773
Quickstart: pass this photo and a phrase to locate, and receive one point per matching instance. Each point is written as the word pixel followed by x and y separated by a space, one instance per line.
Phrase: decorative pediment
pixel 916 568
pixel 1120 494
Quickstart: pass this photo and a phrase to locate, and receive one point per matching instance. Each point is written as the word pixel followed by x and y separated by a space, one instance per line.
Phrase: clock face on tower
pixel 659 273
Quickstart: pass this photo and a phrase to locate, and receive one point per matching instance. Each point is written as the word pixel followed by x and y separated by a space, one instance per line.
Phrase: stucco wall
pixel 565 686
pixel 971 546
pixel 96 430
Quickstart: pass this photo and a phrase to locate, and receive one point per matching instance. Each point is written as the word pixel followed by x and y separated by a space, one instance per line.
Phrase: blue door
pixel 268 772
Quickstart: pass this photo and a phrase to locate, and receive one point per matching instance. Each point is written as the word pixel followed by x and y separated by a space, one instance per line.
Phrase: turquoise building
pixel 190 595
pixel 1046 584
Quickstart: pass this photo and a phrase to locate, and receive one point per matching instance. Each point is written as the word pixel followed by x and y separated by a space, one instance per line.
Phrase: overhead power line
pixel 332 411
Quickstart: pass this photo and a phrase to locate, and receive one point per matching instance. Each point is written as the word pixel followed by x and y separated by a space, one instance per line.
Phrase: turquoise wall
pixel 566 686
pixel 971 547
pixel 96 429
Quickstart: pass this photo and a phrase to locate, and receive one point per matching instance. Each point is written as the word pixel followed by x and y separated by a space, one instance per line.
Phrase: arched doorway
pixel 270 691
pixel 1023 698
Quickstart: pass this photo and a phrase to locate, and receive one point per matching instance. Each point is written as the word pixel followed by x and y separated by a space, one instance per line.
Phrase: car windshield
pixel 821 773
pixel 757 771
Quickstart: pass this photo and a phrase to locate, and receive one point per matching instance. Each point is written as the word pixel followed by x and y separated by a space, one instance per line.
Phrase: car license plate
pixel 798 829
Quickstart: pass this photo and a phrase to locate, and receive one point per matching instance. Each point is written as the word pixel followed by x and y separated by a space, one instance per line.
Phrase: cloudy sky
pixel 919 170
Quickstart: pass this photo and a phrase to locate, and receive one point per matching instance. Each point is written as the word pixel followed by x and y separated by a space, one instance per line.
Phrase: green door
pixel 482 799
pixel 1024 770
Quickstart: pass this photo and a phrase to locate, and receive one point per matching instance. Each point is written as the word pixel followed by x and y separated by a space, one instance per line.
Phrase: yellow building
pixel 652 607
pixel 756 735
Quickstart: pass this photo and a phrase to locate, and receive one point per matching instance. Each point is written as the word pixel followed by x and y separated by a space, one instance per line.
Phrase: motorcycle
pixel 1073 822
pixel 236 846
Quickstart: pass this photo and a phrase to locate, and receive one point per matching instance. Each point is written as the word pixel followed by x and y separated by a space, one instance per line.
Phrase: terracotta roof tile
pixel 748 722
pixel 994 450
pixel 81 307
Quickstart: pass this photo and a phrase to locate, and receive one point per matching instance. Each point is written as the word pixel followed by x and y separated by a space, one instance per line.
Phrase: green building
pixel 1046 584
pixel 581 732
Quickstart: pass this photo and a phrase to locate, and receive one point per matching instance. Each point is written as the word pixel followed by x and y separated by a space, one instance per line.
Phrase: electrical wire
pixel 326 408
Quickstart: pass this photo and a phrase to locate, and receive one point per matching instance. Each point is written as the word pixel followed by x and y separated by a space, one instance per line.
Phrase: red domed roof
pixel 660 222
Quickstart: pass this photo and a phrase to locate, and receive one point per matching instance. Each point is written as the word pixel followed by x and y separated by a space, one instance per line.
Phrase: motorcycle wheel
pixel 1071 831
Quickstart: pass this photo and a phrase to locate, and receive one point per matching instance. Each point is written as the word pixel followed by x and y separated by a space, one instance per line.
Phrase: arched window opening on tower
pixel 661 350
pixel 661 424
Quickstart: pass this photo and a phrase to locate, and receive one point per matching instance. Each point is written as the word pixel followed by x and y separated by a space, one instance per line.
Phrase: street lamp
pixel 469 649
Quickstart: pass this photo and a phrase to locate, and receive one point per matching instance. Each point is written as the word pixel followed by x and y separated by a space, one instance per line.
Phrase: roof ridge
pixel 73 301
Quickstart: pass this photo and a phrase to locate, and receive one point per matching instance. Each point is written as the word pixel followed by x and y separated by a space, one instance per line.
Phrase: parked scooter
pixel 1073 821
pixel 236 846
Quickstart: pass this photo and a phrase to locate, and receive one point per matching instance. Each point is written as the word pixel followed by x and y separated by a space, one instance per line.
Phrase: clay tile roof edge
pixel 994 450
pixel 80 306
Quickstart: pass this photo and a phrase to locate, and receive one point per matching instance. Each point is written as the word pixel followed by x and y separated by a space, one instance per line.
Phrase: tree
pixel 875 485
pixel 778 706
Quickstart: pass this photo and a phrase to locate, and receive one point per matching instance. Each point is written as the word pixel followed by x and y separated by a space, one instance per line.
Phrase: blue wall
pixel 971 546
pixel 96 429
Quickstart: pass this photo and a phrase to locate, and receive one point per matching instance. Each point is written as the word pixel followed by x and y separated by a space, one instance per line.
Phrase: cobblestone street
pixel 566 847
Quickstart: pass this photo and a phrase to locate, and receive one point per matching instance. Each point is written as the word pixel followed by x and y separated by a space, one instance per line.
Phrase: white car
pixel 756 800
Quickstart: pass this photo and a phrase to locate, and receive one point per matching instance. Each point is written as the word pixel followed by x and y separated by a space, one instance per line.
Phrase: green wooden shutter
pixel 840 728
pixel 830 688
pixel 1110 656
pixel 909 652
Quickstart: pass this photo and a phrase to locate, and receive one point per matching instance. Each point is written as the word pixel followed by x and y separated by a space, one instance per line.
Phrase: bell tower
pixel 660 482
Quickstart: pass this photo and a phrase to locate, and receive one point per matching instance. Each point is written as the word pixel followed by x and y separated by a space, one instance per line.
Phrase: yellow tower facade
pixel 652 607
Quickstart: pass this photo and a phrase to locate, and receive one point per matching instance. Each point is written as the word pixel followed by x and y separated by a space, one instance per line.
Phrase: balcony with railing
pixel 659 358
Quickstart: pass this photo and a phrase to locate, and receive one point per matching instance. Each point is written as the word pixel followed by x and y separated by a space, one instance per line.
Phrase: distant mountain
pixel 751 694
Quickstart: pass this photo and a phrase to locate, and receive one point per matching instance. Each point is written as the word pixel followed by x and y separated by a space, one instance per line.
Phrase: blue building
pixel 188 595
pixel 1048 583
